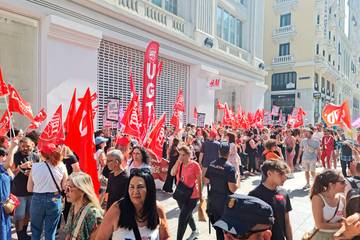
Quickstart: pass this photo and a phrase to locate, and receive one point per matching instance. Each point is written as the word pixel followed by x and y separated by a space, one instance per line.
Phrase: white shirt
pixel 145 233
pixel 43 182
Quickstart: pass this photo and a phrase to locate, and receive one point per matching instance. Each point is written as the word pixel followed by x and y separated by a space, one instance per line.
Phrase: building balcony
pixel 280 5
pixel 280 60
pixel 286 31
pixel 233 50
pixel 153 13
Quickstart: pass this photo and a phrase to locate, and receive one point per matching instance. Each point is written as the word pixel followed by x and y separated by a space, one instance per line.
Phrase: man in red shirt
pixel 328 146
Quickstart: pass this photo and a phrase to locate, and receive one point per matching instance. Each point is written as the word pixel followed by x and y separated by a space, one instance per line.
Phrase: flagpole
pixel 10 119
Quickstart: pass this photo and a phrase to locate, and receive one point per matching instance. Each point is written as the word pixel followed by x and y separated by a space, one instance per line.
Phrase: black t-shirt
pixel 70 160
pixel 116 187
pixel 20 180
pixel 280 202
pixel 220 173
pixel 211 152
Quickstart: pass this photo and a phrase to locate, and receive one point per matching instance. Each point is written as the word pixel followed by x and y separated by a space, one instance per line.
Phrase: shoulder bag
pixel 182 192
pixel 311 234
pixel 52 176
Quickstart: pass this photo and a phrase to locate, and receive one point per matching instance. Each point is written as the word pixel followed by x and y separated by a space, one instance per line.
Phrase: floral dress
pixel 92 219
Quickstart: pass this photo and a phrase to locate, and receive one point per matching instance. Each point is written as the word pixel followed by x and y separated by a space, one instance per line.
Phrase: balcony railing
pixel 284 31
pixel 279 4
pixel 154 13
pixel 283 59
pixel 233 50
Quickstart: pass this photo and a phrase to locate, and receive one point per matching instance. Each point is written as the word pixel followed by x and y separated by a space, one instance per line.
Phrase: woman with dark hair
pixel 289 143
pixel 233 158
pixel 46 181
pixel 328 204
pixel 173 156
pixel 251 150
pixel 137 214
pixel 139 158
pixel 296 134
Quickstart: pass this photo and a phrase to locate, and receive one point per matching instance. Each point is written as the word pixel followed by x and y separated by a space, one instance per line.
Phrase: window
pixel 156 2
pixel 285 20
pixel 339 49
pixel 316 82
pixel 329 58
pixel 284 49
pixel 317 49
pixel 318 19
pixel 322 85
pixel 329 35
pixel 171 6
pixel 328 88
pixel 332 87
pixel 324 53
pixel 228 27
pixel 283 81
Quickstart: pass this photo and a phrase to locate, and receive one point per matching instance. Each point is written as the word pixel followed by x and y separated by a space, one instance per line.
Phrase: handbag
pixel 52 176
pixel 309 235
pixel 10 204
pixel 182 192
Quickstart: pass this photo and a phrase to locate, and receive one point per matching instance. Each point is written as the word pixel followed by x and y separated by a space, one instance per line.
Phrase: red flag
pixel 195 114
pixel 301 111
pixel 93 98
pixel 71 112
pixel 219 105
pixel 175 120
pixel 151 71
pixel 131 118
pixel 38 119
pixel 4 90
pixel 180 104
pixel 132 85
pixel 5 123
pixel 227 115
pixel 80 139
pixel 156 138
pixel 18 104
pixel 335 115
pixel 53 132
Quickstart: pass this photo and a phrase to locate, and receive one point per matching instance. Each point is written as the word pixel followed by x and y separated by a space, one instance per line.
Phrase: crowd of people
pixel 205 167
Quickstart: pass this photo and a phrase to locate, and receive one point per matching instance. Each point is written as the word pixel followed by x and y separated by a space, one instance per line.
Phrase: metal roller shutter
pixel 113 78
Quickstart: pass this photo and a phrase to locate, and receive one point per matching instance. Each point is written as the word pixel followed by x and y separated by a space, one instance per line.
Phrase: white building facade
pixel 49 47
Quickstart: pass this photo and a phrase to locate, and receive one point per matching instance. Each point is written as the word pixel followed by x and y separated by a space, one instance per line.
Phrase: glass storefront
pixel 286 102
pixel 19 58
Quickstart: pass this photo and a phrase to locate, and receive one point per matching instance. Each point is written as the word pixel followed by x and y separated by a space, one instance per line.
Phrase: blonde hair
pixel 83 182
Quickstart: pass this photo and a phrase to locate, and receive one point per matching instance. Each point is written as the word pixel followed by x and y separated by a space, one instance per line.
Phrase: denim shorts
pixel 23 209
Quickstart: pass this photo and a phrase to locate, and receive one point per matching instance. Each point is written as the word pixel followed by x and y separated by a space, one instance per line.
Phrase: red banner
pixel 131 118
pixel 152 68
pixel 71 113
pixel 18 104
pixel 5 123
pixel 38 119
pixel 175 120
pixel 4 90
pixel 219 105
pixel 180 104
pixel 157 137
pixel 335 115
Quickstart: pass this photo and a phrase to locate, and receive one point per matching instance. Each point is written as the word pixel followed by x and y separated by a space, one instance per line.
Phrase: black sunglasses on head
pixel 246 235
pixel 140 170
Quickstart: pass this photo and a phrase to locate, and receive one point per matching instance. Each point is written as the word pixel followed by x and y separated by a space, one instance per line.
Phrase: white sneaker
pixel 194 235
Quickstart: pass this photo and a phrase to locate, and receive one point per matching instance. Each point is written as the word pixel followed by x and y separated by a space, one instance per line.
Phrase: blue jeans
pixel 45 209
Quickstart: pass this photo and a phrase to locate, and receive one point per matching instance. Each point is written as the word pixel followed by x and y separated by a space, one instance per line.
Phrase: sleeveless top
pixel 328 213
pixel 145 233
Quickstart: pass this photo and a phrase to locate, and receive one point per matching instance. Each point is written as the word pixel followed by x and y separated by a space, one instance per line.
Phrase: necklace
pixel 140 219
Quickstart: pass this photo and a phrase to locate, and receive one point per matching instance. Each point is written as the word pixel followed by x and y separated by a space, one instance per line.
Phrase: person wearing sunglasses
pixel 274 174
pixel 246 217
pixel 328 203
pixel 139 158
pixel 138 215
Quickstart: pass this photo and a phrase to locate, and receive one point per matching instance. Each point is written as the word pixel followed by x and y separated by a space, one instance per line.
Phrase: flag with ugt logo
pixel 131 119
pixel 5 123
pixel 157 137
pixel 335 115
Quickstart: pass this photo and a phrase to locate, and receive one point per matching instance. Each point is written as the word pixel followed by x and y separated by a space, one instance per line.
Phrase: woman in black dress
pixel 173 157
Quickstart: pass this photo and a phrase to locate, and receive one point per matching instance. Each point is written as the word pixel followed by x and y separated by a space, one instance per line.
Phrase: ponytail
pixel 323 180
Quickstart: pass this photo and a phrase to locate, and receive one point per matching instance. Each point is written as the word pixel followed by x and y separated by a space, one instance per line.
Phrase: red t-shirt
pixel 190 174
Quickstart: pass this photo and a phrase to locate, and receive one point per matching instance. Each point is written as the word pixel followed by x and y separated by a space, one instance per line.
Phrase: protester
pixel 173 156
pixel 328 147
pixel 140 159
pixel 345 156
pixel 100 155
pixel 296 163
pixel 246 217
pixel 310 152
pixel 85 214
pixel 290 142
pixel 46 181
pixel 270 192
pixel 233 157
pixel 118 177
pixel 137 210
pixel 20 159
pixel 272 151
pixel 223 181
pixel 188 172
pixel 5 181
pixel 209 151
pixel 251 150
pixel 328 204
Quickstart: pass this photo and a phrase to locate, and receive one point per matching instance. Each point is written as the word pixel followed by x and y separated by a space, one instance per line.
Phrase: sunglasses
pixel 135 171
pixel 246 235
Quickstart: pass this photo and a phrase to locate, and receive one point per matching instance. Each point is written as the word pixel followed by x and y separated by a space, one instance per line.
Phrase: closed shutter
pixel 113 78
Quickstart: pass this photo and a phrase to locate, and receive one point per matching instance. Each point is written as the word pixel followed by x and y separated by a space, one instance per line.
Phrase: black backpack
pixel 353 196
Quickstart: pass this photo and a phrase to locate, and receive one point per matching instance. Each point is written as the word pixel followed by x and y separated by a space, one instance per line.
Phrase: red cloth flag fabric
pixel 152 69
pixel 18 104
pixel 175 120
pixel 132 85
pixel 157 137
pixel 301 111
pixel 227 115
pixel 219 105
pixel 38 119
pixel 53 132
pixel 180 104
pixel 80 139
pixel 195 114
pixel 4 90
pixel 5 123
pixel 131 120
pixel 335 115
pixel 71 112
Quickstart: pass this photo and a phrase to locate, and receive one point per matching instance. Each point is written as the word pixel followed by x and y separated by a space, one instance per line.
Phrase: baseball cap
pixel 99 140
pixel 242 213
pixel 123 141
pixel 224 148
